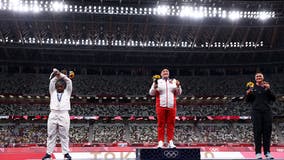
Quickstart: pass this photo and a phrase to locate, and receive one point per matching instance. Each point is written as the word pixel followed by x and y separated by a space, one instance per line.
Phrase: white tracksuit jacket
pixel 166 93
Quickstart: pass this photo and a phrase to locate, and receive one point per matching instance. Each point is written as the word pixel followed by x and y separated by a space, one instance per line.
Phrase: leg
pixel 52 132
pixel 257 130
pixel 64 125
pixel 267 129
pixel 161 123
pixel 171 119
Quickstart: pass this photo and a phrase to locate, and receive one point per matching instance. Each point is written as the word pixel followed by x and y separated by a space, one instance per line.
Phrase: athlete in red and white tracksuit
pixel 166 90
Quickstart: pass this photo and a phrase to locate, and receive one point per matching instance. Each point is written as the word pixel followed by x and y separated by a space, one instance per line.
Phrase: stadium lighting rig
pixel 132 43
pixel 234 15
pixel 186 11
pixel 133 98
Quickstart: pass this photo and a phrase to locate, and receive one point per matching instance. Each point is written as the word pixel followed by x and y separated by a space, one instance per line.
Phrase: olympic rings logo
pixel 170 154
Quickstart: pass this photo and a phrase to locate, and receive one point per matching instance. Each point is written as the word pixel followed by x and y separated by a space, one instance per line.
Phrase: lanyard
pixel 59 96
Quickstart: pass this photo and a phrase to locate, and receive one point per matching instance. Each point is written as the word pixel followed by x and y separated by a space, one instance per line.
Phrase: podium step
pixel 168 154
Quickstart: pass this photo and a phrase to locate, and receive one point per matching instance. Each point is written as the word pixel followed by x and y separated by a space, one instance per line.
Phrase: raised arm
pixel 249 96
pixel 269 93
pixel 68 81
pixel 153 88
pixel 52 84
pixel 178 89
pixel 53 80
pixel 58 75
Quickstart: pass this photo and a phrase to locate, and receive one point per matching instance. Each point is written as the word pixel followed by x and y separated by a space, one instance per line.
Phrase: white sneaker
pixel 268 156
pixel 160 144
pixel 258 156
pixel 171 144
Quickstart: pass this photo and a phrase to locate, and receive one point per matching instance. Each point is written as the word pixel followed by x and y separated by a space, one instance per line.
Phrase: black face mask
pixel 60 88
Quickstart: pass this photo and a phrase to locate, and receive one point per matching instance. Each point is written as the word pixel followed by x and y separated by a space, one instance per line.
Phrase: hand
pixel 56 71
pixel 249 91
pixel 266 85
pixel 155 86
pixel 178 83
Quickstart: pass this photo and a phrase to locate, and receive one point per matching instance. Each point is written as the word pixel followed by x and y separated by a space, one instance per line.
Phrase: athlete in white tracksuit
pixel 58 124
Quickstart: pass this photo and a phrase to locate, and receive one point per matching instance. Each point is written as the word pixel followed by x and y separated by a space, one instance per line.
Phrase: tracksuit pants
pixel 262 128
pixel 166 117
pixel 58 124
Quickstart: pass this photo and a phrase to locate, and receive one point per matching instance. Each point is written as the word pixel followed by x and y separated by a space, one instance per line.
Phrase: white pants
pixel 58 124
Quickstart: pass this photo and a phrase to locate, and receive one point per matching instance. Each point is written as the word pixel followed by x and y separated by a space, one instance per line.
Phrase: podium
pixel 167 154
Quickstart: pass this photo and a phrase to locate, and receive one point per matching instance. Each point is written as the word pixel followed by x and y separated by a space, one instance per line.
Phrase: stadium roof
pixel 208 29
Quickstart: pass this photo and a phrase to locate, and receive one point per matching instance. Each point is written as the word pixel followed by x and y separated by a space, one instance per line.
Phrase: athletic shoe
pixel 268 156
pixel 47 157
pixel 67 156
pixel 171 144
pixel 258 156
pixel 160 144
